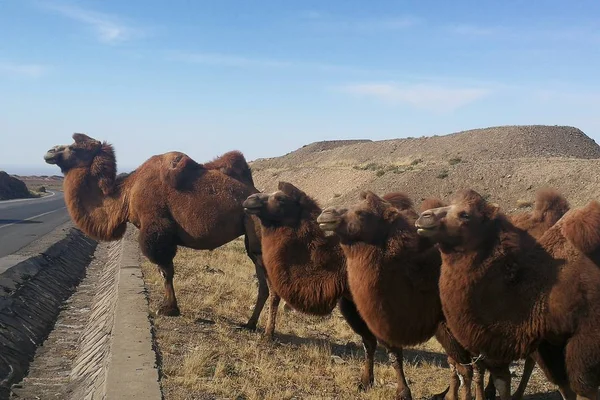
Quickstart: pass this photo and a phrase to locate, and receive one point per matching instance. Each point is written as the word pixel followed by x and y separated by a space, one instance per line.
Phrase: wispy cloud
pixel 242 61
pixel 23 70
pixel 430 97
pixel 108 28
pixel 327 22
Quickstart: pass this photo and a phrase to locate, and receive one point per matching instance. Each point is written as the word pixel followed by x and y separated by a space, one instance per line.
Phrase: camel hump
pixel 178 168
pixel 399 200
pixel 582 228
pixel 550 206
pixel 232 163
pixel 431 203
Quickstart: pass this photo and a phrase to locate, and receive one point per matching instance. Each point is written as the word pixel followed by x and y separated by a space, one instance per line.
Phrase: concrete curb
pixel 115 356
pixel 31 293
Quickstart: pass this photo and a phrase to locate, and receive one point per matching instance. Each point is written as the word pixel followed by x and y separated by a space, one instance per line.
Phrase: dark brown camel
pixel 548 208
pixel 305 267
pixel 171 200
pixel 393 280
pixel 506 295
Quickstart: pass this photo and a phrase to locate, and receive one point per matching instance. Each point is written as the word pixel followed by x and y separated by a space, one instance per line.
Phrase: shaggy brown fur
pixel 506 295
pixel 180 169
pixel 206 216
pixel 430 203
pixel 580 227
pixel 549 207
pixel 305 267
pixel 393 282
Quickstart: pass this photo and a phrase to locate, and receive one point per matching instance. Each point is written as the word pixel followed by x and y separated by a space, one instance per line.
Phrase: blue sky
pixel 267 77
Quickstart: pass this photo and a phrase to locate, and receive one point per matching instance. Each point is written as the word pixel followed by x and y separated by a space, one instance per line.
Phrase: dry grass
pixel 205 355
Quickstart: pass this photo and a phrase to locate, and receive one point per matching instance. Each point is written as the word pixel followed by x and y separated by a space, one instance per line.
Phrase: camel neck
pixel 306 268
pixel 99 215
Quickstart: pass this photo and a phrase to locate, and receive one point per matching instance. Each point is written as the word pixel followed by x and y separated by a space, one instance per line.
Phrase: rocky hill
pixel 506 164
pixel 12 188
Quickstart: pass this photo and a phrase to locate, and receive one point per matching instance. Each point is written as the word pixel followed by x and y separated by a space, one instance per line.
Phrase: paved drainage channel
pixel 100 347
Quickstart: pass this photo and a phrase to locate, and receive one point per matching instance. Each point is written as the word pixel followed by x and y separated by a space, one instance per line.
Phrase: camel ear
pixel 290 190
pixel 82 138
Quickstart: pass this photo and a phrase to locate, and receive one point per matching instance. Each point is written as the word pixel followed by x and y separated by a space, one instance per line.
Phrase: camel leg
pixel 169 306
pixel 582 358
pixel 263 293
pixel 479 377
pixel 501 376
pixel 358 325
pixel 527 370
pixel 459 360
pixel 490 389
pixel 464 374
pixel 273 306
pixel 397 360
pixel 552 361
pixel 157 242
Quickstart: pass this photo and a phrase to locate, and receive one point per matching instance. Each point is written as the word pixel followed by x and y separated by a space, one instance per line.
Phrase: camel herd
pixel 490 288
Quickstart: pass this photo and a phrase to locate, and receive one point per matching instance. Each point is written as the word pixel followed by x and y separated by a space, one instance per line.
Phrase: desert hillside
pixel 505 164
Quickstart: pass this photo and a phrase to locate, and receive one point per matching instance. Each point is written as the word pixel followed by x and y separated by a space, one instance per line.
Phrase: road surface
pixel 24 220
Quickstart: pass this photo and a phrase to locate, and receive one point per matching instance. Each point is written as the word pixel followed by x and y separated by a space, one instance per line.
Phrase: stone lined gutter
pixel 115 359
pixel 31 293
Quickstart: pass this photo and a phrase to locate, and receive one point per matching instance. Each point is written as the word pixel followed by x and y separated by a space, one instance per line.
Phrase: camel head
pixel 285 207
pixel 79 154
pixel 369 220
pixel 463 224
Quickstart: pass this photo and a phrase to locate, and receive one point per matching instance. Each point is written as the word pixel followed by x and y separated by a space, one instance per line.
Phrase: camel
pixel 549 207
pixel 393 280
pixel 305 267
pixel 172 200
pixel 507 295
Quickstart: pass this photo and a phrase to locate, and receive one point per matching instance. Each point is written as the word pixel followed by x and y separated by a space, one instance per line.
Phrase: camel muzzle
pixel 254 203
pixel 428 223
pixel 51 155
pixel 329 219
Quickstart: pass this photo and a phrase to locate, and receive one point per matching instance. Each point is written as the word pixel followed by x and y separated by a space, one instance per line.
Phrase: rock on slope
pixel 12 188
pixel 504 163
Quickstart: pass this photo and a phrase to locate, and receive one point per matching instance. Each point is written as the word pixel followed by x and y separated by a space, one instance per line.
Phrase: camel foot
pixel 366 383
pixel 440 396
pixel 403 394
pixel 168 310
pixel 248 327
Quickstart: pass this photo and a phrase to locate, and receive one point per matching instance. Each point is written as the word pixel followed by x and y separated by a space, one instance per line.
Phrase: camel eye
pixel 464 216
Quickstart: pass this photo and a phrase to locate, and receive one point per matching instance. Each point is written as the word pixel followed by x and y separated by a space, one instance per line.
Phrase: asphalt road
pixel 23 221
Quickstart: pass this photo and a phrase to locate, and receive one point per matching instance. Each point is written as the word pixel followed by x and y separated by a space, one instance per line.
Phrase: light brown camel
pixel 506 295
pixel 305 267
pixel 394 282
pixel 172 200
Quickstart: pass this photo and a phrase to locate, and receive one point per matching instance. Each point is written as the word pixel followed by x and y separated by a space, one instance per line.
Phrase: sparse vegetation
pixel 41 189
pixel 380 172
pixel 416 161
pixel 443 174
pixel 455 160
